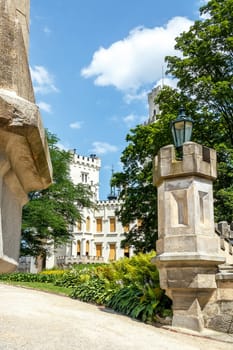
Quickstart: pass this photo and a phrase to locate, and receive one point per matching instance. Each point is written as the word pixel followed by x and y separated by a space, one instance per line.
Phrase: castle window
pixel 78 248
pixel 113 224
pixel 79 225
pixel 99 226
pixel 126 251
pixel 112 251
pixel 88 224
pixel 87 248
pixel 98 247
pixel 84 177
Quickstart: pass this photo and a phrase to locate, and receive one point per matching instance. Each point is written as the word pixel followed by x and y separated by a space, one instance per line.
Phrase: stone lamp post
pixel 187 247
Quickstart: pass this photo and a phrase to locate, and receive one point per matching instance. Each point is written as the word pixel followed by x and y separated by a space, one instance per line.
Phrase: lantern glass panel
pixel 188 131
pixel 178 133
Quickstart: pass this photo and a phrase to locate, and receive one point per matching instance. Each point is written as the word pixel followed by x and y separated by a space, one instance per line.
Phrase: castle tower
pixel 153 107
pixel 85 170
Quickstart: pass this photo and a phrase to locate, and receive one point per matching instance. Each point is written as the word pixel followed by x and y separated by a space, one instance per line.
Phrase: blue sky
pixel 93 63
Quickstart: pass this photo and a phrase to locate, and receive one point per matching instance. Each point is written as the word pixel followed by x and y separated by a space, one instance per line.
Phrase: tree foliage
pixel 136 182
pixel 50 212
pixel 205 70
pixel 204 73
pixel 205 77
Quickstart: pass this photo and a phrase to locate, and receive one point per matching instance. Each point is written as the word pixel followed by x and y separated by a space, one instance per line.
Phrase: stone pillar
pixel 24 158
pixel 83 247
pixel 187 247
pixel 74 248
pixel 92 247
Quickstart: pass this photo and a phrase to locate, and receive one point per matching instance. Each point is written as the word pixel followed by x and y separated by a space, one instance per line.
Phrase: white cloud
pixel 76 125
pixel 167 81
pixel 137 59
pixel 103 148
pixel 107 167
pixel 43 81
pixel 203 2
pixel 129 118
pixel 134 96
pixel 47 30
pixel 45 107
pixel 62 146
pixel 133 119
pixel 204 15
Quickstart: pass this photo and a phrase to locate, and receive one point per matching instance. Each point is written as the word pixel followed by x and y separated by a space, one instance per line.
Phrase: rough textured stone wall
pixel 14 72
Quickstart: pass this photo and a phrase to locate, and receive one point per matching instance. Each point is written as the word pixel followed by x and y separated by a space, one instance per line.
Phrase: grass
pixel 45 287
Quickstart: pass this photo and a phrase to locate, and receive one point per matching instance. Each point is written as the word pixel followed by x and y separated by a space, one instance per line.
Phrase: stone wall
pixel 14 72
pixel 218 313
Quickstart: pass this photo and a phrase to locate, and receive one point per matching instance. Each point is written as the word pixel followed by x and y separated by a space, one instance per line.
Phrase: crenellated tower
pixel 85 170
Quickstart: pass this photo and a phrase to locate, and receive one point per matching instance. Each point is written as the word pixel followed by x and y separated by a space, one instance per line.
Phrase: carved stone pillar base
pixel 190 281
pixel 191 316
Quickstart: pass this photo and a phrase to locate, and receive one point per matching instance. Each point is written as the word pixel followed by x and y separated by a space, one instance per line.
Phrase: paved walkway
pixel 33 320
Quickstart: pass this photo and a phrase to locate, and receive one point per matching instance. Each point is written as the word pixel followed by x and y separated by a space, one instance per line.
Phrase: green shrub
pixel 130 286
pixel 141 302
pixel 87 266
pixel 52 272
pixel 137 269
pixel 125 299
pixel 27 277
pixel 92 290
pixel 69 279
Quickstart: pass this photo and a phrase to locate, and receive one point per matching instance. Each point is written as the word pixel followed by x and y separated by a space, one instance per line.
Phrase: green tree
pixel 204 73
pixel 50 212
pixel 205 77
pixel 205 69
pixel 138 194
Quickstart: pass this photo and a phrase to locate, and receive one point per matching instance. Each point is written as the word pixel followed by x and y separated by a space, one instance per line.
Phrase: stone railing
pixel 63 261
pixel 225 234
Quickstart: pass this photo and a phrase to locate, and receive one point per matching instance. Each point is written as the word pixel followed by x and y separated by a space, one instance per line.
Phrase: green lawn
pixel 46 287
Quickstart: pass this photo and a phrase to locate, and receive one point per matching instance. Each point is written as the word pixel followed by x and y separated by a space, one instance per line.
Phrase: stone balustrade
pixel 63 261
pixel 224 232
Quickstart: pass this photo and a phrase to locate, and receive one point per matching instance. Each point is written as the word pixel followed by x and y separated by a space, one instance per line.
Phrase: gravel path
pixel 33 320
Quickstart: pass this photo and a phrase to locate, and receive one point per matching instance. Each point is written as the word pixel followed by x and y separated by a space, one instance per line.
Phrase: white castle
pixel 97 238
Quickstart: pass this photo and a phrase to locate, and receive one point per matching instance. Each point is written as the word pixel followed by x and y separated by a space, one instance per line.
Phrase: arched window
pixel 79 225
pixel 87 248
